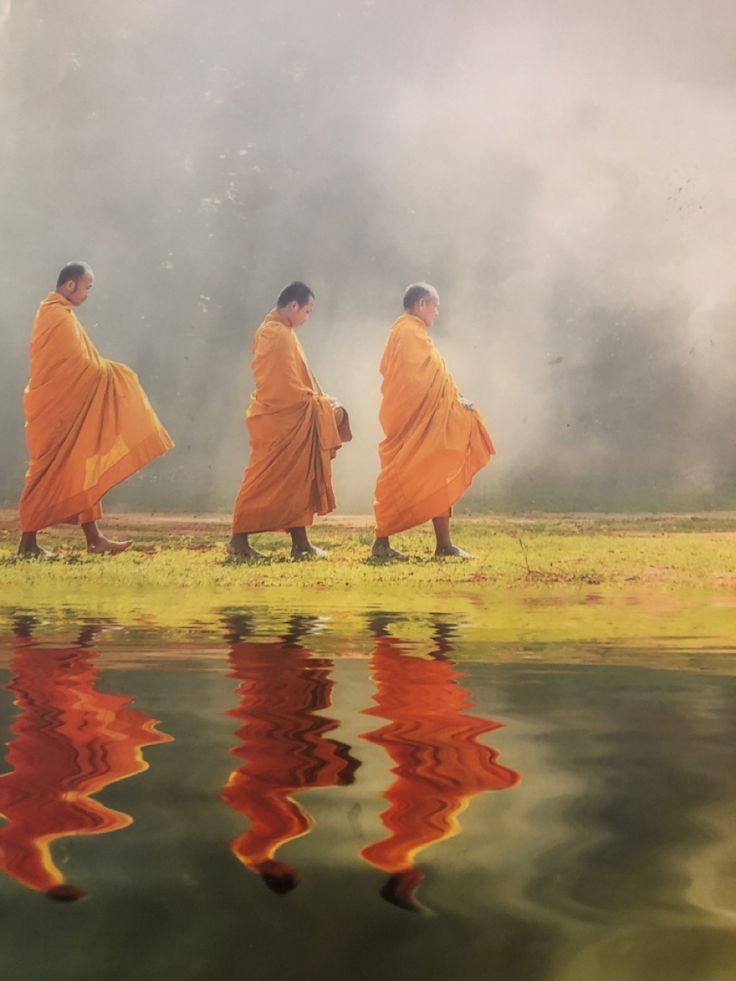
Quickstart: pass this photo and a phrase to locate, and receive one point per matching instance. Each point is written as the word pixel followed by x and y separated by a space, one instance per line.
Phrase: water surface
pixel 278 794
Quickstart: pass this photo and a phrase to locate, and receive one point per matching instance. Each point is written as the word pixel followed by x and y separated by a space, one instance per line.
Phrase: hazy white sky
pixel 563 171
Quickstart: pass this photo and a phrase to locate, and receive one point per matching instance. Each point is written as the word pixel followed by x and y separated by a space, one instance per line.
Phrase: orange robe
pixel 433 446
pixel 439 763
pixel 89 424
pixel 293 436
pixel 283 741
pixel 70 741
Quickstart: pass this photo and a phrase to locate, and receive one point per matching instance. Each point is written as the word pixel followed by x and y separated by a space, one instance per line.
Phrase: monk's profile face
pixel 77 290
pixel 299 315
pixel 427 309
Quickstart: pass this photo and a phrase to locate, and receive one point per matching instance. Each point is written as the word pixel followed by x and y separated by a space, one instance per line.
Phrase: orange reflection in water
pixel 440 765
pixel 70 741
pixel 283 689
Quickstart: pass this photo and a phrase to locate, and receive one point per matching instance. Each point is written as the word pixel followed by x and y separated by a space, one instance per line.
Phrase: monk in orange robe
pixel 283 690
pixel 89 425
pixel 295 431
pixel 69 742
pixel 435 440
pixel 439 764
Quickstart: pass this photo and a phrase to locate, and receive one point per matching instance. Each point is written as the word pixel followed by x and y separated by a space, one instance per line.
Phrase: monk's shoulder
pixel 50 312
pixel 273 332
pixel 407 326
pixel 273 339
pixel 53 319
pixel 408 337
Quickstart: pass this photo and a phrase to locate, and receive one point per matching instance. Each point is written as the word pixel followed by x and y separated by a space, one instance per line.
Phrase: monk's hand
pixel 465 403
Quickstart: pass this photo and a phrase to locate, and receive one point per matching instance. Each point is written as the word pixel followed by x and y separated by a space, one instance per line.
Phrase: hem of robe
pixel 84 517
pixel 435 505
pixel 73 507
pixel 304 522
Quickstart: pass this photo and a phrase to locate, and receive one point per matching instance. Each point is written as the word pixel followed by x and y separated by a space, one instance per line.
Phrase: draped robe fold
pixel 433 445
pixel 293 437
pixel 440 765
pixel 89 424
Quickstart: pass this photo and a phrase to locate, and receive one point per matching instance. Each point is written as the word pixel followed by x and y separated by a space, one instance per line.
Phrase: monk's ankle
pixel 383 550
pixel 32 550
pixel 240 548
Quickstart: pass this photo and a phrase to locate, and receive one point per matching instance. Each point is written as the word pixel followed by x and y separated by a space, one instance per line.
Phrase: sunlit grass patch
pixel 524 586
pixel 507 554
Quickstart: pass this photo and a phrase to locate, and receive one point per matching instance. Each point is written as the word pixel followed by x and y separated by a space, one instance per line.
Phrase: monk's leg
pixel 241 547
pixel 29 548
pixel 382 549
pixel 98 544
pixel 444 542
pixel 301 547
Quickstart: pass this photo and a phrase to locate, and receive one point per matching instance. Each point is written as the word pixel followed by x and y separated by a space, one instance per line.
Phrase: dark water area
pixel 263 795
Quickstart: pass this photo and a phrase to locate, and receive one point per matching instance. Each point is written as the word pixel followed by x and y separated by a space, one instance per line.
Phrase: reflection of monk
pixel 283 742
pixel 439 763
pixel 435 441
pixel 89 424
pixel 71 741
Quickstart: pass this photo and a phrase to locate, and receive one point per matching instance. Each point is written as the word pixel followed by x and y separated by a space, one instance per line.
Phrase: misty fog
pixel 562 171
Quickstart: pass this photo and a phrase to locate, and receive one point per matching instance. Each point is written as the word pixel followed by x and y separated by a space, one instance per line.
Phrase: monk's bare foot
pixel 34 552
pixel 301 547
pixel 451 551
pixel 382 550
pixel 240 548
pixel 245 552
pixel 308 551
pixel 106 546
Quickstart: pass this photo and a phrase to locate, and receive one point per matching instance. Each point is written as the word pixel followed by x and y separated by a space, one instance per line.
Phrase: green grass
pixel 509 555
pixel 534 580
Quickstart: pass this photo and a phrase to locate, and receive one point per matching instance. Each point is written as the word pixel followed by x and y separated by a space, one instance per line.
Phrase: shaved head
pixel 296 292
pixel 73 272
pixel 418 291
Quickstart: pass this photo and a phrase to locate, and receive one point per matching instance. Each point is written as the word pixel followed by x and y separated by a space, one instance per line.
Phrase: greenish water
pixel 263 794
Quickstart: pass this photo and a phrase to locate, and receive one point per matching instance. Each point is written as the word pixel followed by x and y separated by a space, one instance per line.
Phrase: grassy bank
pixel 510 553
pixel 666 583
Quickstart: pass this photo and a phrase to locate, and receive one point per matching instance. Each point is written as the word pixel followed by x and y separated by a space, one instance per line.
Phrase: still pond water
pixel 265 795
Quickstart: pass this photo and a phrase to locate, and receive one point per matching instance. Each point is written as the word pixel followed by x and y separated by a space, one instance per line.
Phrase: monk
pixel 435 440
pixel 89 425
pixel 295 431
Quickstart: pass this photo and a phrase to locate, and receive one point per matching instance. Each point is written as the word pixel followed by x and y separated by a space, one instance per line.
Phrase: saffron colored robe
pixel 434 445
pixel 433 742
pixel 293 437
pixel 69 742
pixel 89 424
pixel 283 692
